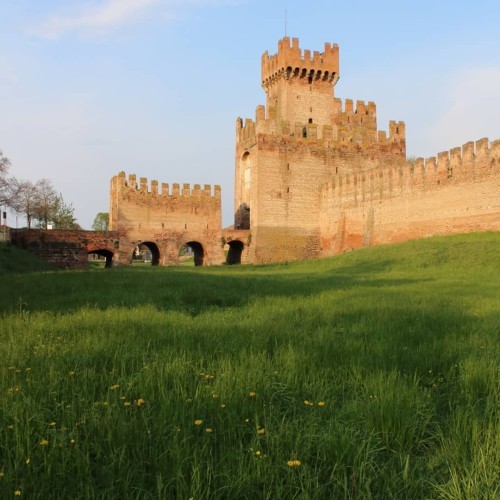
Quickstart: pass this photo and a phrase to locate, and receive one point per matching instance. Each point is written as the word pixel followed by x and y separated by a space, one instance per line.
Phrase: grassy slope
pixel 16 260
pixel 400 342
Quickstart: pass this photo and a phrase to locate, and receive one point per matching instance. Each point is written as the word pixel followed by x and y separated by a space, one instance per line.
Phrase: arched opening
pixel 234 253
pixel 101 258
pixel 146 252
pixel 192 253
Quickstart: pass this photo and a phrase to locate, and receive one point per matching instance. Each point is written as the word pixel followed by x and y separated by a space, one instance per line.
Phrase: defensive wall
pixel 68 249
pixel 165 218
pixel 313 177
pixel 457 192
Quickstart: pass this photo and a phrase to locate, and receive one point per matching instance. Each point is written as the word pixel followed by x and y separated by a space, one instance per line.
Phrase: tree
pixel 47 202
pixel 40 202
pixel 26 201
pixel 64 215
pixel 101 222
pixel 8 186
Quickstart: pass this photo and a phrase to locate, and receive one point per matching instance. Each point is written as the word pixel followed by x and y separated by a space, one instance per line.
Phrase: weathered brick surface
pixel 166 219
pixel 64 248
pixel 457 194
pixel 296 144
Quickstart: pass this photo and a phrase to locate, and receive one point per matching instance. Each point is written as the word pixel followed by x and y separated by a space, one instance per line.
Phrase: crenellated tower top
pixel 299 84
pixel 292 62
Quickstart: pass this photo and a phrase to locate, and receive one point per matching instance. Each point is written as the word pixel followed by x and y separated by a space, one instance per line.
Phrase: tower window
pixel 310 120
pixel 310 79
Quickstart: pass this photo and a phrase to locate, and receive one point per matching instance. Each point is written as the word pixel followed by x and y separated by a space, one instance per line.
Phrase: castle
pixel 313 177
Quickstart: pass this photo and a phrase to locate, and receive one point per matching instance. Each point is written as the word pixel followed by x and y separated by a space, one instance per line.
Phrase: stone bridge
pixel 68 249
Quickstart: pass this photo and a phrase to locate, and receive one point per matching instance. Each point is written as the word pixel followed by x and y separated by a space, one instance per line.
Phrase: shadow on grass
pixel 189 290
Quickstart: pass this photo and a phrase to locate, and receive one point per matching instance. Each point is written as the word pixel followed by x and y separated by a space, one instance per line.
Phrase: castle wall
pixel 287 171
pixel 166 217
pixel 456 192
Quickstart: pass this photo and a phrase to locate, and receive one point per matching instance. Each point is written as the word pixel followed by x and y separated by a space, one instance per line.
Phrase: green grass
pixel 16 260
pixel 113 367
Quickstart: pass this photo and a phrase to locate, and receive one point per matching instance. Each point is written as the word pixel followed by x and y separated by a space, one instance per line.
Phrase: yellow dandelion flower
pixel 198 422
pixel 27 369
pixel 17 493
pixel 127 403
pixel 222 405
pixel 71 374
pixel 321 403
pixel 214 396
pixel 247 420
pixel 2 473
pixel 52 424
pixel 44 442
pixel 140 402
pixel 258 453
pixel 261 431
pixel 209 430
pixel 308 403
pixel 252 394
pixel 114 387
pixel 72 441
pixel 27 461
pixel 293 463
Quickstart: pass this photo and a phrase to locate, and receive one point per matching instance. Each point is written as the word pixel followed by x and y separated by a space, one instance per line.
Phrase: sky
pixel 89 88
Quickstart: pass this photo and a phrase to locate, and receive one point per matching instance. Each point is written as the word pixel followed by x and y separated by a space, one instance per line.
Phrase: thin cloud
pixel 105 17
pixel 96 19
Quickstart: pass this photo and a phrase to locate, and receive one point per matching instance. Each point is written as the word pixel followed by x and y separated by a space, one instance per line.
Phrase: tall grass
pixel 370 375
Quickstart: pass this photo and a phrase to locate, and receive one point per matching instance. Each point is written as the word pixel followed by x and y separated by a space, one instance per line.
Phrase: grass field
pixel 370 375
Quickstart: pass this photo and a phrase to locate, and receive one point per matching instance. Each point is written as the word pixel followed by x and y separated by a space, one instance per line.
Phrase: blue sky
pixel 154 87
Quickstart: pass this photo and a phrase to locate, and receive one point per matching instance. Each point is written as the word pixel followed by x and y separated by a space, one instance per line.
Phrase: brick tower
pixel 298 141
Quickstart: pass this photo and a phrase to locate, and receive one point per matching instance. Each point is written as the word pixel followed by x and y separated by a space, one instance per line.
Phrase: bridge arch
pixel 103 252
pixel 198 252
pixel 148 250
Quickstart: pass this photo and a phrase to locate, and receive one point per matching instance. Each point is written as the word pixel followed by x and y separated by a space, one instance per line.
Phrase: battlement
pixel 291 61
pixel 466 164
pixel 144 188
pixel 362 108
pixel 351 125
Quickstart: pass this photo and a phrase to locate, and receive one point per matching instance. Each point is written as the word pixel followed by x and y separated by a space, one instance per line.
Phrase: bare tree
pixel 26 201
pixel 47 202
pixel 8 186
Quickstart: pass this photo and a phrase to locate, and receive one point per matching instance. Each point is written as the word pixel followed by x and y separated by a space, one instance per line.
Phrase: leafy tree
pixel 101 222
pixel 64 215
